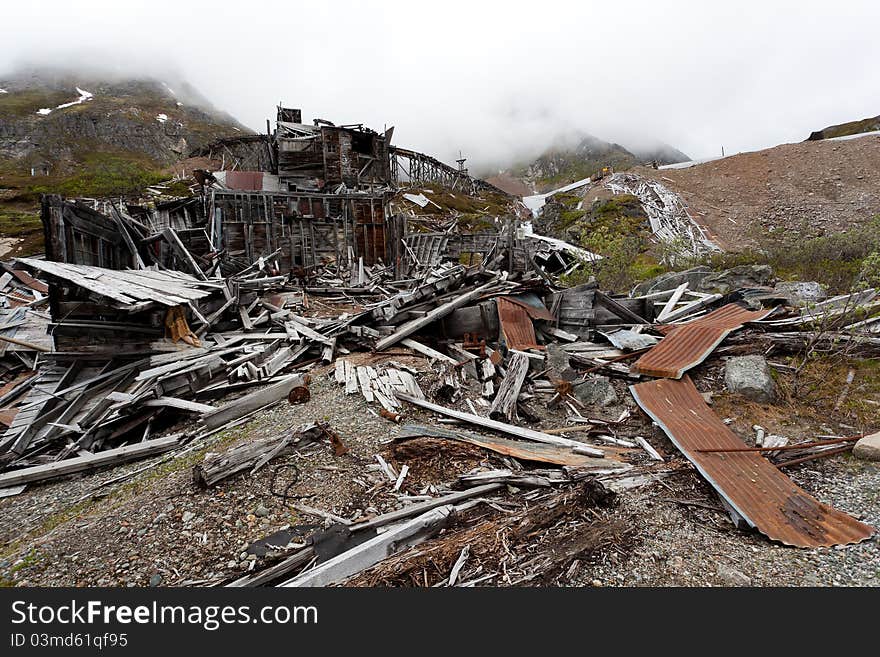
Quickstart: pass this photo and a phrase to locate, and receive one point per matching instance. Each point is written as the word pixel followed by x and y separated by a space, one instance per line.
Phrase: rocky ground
pixel 158 528
pixel 825 186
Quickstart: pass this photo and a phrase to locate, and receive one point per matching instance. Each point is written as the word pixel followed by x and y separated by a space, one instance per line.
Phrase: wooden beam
pixel 180 250
pixel 254 401
pixel 427 351
pixel 503 427
pixel 90 462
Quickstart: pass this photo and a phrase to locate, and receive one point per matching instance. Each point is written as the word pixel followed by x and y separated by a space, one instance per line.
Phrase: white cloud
pixel 498 79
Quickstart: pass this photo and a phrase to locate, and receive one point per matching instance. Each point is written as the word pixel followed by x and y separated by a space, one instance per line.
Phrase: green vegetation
pixel 616 229
pixel 851 128
pixel 24 103
pixel 475 213
pixel 842 261
pixel 26 227
pixel 107 174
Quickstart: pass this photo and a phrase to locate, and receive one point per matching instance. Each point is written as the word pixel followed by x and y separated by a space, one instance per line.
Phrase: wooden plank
pixel 249 403
pixel 421 507
pixel 351 382
pixel 667 308
pixel 624 313
pixel 504 405
pixel 374 550
pixel 520 432
pixel 180 250
pixel 427 351
pixel 83 463
pixel 182 404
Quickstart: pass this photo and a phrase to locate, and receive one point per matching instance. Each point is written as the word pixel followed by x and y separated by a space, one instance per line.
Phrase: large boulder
pixel 596 391
pixel 731 280
pixel 868 448
pixel 802 293
pixel 671 280
pixel 750 377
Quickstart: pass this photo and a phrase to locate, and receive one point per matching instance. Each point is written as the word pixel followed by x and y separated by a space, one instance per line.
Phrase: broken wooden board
pixel 252 402
pixel 503 427
pixel 367 554
pixel 89 462
pixel 518 449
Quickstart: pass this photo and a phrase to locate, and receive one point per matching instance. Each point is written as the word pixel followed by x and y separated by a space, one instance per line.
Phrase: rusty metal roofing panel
pixel 533 306
pixel 244 180
pixel 516 325
pixel 754 487
pixel 688 345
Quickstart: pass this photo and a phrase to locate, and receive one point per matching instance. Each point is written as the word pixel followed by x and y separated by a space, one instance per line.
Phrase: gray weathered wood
pixel 414 325
pixel 374 550
pixel 83 463
pixel 504 405
pixel 520 432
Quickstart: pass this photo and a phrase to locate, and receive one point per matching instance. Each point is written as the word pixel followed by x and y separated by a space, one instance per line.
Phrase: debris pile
pixel 161 334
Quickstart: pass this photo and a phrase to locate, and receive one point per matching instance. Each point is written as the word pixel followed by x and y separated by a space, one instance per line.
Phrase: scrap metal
pixel 687 345
pixel 762 495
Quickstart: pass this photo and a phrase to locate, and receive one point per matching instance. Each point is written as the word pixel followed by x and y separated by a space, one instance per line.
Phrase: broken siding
pixel 754 487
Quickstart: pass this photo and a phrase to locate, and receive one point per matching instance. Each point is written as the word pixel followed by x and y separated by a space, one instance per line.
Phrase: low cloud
pixel 496 81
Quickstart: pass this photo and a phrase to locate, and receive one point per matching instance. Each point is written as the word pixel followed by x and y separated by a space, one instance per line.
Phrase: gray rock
pixel 558 363
pixel 232 563
pixel 801 293
pixel 261 511
pixel 671 280
pixel 730 280
pixel 749 376
pixel 187 516
pixel 732 577
pixel 868 448
pixel 596 390
pixel 156 580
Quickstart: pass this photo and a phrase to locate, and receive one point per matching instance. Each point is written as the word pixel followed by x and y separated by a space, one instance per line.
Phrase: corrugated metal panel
pixel 244 180
pixel 533 306
pixel 754 487
pixel 516 325
pixel 688 345
pixel 30 281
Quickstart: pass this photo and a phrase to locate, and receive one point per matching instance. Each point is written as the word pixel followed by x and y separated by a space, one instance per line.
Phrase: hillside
pixel 846 129
pixel 813 188
pixel 92 135
pixel 575 158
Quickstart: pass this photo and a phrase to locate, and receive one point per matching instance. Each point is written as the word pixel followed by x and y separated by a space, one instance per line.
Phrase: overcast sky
pixel 495 80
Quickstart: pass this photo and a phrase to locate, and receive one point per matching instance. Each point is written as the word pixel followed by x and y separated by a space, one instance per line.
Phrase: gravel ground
pixel 158 528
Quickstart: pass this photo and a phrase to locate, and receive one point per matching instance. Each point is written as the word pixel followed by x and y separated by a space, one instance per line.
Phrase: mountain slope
pixel 92 135
pixel 810 188
pixel 578 157
pixel 847 129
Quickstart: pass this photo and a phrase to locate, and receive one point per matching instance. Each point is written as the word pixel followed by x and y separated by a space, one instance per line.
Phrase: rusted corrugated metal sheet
pixel 516 325
pixel 532 305
pixel 754 487
pixel 30 281
pixel 687 345
pixel 244 180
